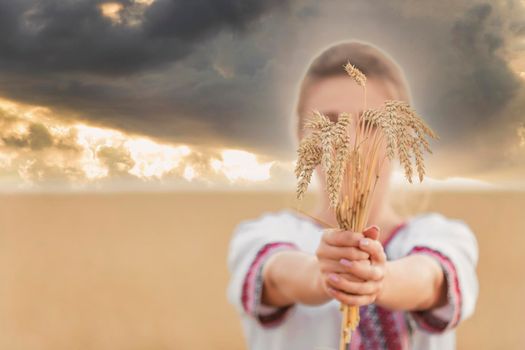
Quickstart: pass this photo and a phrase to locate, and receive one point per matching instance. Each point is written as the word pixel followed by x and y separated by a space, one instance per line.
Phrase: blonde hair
pixel 369 59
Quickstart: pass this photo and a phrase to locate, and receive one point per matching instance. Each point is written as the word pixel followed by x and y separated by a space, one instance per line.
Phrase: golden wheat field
pixel 148 270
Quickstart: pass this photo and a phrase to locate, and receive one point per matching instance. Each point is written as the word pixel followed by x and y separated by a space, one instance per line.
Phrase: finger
pixel 352 300
pixel 372 232
pixel 332 266
pixel 352 287
pixel 329 252
pixel 374 248
pixel 350 277
pixel 341 238
pixel 364 271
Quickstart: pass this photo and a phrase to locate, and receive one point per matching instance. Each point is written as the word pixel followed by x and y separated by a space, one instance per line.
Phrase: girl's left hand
pixel 370 272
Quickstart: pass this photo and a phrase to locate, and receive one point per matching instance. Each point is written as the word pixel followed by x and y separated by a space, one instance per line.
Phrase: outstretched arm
pixel 292 277
pixel 416 282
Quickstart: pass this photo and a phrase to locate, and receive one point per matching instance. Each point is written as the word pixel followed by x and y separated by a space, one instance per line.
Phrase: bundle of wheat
pixel 352 169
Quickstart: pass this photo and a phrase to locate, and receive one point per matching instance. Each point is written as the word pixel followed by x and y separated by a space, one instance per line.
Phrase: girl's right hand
pixel 337 244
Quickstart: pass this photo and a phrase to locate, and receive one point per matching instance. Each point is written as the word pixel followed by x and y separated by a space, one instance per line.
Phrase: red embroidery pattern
pixel 252 285
pixel 426 319
pixel 379 328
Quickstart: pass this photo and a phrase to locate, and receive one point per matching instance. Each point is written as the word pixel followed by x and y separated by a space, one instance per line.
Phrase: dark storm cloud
pixel 72 35
pixel 66 55
pixel 191 20
pixel 482 82
pixel 480 100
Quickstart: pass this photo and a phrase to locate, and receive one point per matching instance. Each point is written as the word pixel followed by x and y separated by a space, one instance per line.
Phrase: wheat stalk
pixel 352 169
pixel 356 74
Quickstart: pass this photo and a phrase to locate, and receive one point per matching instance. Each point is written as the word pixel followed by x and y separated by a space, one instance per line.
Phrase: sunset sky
pixel 160 94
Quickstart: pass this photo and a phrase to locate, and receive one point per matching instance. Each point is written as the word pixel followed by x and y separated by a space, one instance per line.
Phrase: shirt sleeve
pixel 453 245
pixel 252 243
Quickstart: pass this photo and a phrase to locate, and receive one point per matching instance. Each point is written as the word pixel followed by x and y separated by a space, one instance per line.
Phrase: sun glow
pixel 153 159
pixel 189 173
pixel 38 146
pixel 241 165
pixel 111 10
pixel 145 2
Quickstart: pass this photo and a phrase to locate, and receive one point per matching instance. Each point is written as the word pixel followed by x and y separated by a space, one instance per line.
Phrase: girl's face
pixel 335 95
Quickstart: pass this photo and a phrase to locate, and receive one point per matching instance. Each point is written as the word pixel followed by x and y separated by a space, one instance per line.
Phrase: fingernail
pixel 345 262
pixel 364 242
pixel 334 277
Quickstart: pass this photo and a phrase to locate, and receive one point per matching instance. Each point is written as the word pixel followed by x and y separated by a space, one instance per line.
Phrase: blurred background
pixel 136 134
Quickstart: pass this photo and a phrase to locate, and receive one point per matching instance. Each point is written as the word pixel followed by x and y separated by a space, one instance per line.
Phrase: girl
pixel 413 278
